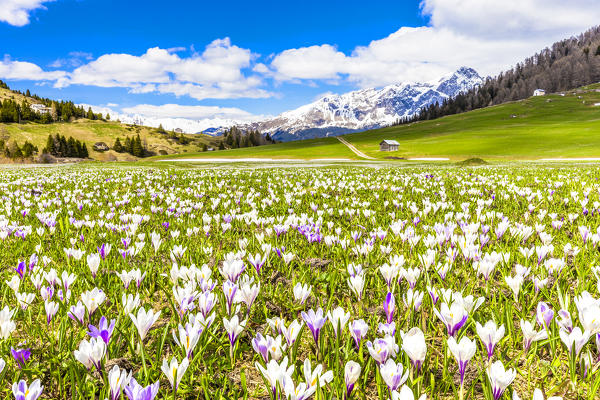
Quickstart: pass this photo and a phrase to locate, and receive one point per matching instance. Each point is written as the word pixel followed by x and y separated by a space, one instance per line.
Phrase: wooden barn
pixel 389 145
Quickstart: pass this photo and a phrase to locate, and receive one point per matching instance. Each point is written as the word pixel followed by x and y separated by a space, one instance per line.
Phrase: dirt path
pixel 355 150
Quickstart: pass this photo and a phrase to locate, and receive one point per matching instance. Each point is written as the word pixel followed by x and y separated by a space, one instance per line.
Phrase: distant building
pixel 210 149
pixel 178 130
pixel 539 92
pixel 389 145
pixel 40 108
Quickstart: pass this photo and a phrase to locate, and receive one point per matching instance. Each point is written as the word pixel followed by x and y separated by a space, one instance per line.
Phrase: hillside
pixel 552 126
pixel 91 132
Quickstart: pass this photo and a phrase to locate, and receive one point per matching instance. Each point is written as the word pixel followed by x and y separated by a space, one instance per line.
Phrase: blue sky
pixel 239 59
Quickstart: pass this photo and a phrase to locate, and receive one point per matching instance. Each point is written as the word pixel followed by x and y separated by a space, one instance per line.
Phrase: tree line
pixel 59 146
pixel 132 146
pixel 566 65
pixel 13 111
pixel 235 138
pixel 14 151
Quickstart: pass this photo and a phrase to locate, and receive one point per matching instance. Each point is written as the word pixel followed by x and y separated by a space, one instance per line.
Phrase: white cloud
pixel 215 73
pixel 20 70
pixel 488 35
pixel 222 71
pixel 191 112
pixel 16 12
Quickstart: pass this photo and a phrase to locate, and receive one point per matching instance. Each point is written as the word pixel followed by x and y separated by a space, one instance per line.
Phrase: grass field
pixel 553 126
pixel 324 148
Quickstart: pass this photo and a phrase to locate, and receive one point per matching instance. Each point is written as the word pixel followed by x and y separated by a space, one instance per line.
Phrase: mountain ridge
pixel 332 115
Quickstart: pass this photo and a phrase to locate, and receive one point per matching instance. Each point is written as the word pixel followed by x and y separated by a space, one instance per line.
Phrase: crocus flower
pixel 117 380
pixel 564 320
pixel 188 337
pixel 537 395
pixel 261 346
pixel 338 319
pixel 21 356
pixel 77 312
pixel 351 374
pixel 358 330
pixel 2 365
pixel 134 391
pixel 462 351
pixel 103 331
pixel 174 371
pixel 379 350
pixel 144 321
pixel 530 335
pixel 301 292
pixel 314 321
pixel 454 317
pixel 389 306
pixel 575 340
pixel 291 332
pixel 276 373
pixel 406 394
pixel 234 327
pixel 392 374
pixel 20 269
pixel 93 262
pixel 92 299
pixel 91 353
pixel 413 344
pixel 490 335
pixel 499 378
pixel 51 310
pixel 544 314
pixel 229 290
pixel 22 391
pixel 315 376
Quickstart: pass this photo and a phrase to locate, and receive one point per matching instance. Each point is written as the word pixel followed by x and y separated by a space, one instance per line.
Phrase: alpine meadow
pixel 259 201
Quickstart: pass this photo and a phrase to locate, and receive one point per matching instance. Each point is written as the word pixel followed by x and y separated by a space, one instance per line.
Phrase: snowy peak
pixel 366 108
pixel 332 115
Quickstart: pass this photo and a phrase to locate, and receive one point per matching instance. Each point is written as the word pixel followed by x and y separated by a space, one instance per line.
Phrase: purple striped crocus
pixel 104 331
pixel 21 356
pixel 544 314
pixel 389 306
pixel 314 321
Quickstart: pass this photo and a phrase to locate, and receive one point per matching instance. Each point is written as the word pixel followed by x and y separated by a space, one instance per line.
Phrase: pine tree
pixel 137 148
pixel 50 148
pixel 118 147
pixel 83 152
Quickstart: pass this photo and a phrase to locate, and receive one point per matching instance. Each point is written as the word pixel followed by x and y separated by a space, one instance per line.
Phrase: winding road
pixel 355 150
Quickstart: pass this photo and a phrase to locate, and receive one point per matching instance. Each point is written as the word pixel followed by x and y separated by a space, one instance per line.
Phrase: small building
pixel 389 145
pixel 100 147
pixel 539 92
pixel 178 130
pixel 40 108
pixel 210 149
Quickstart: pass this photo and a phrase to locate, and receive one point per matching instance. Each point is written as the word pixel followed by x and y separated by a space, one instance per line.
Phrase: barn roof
pixel 387 141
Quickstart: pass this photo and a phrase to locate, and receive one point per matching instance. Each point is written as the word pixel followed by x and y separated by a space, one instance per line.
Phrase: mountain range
pixel 333 115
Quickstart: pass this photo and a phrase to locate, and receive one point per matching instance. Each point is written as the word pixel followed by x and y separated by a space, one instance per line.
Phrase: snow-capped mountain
pixel 364 109
pixel 331 115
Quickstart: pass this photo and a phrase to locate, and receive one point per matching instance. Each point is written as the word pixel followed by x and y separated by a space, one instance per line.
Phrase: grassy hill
pixel 553 126
pixel 92 132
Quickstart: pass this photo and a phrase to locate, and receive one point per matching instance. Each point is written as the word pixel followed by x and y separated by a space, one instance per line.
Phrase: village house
pixel 40 108
pixel 539 92
pixel 389 145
